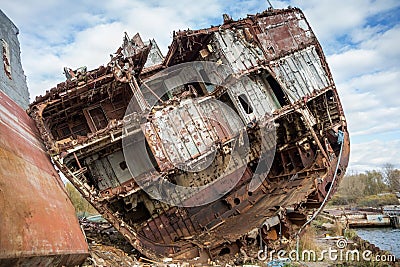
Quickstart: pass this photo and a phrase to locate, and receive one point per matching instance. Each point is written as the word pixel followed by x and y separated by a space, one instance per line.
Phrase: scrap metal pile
pixel 232 138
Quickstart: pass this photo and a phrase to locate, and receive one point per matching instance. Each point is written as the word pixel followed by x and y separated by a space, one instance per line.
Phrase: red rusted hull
pixel 38 226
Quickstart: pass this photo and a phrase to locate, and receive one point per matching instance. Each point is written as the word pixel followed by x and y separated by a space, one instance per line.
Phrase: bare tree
pixel 391 177
pixel 374 182
pixel 352 188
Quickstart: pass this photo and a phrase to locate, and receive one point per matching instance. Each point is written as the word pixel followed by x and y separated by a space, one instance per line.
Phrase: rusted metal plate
pixel 259 104
pixel 156 146
pixel 239 54
pixel 180 134
pixel 38 222
pixel 301 72
pixel 284 32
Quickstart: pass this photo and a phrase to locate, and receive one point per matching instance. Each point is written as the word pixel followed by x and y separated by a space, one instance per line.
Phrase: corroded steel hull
pixel 269 72
pixel 38 226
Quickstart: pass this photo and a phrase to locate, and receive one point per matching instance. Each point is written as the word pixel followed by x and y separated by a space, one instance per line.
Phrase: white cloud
pixel 363 51
pixel 374 154
pixel 354 62
pixel 74 34
pixel 332 19
pixel 371 91
pixel 93 46
pixel 371 104
pixel 381 52
pixel 368 81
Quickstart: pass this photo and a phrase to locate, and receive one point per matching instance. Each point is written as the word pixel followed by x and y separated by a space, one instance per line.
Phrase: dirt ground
pixel 109 248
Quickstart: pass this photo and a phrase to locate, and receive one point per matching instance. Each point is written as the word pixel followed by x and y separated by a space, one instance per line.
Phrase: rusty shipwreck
pixel 133 135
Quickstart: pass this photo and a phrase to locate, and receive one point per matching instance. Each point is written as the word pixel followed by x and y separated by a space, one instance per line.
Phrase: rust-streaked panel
pixel 302 72
pixel 38 225
pixel 288 31
pixel 184 133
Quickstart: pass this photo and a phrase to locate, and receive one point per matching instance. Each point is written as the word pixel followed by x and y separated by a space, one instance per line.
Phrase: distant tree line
pixel 373 188
pixel 81 205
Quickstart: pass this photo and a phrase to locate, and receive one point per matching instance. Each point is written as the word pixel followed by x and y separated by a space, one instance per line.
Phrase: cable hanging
pixel 340 141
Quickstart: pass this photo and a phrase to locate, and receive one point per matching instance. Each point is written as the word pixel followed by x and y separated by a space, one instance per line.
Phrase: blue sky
pixel 361 39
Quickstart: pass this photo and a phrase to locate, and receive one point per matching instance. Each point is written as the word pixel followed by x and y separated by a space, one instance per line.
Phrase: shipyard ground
pixel 108 248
